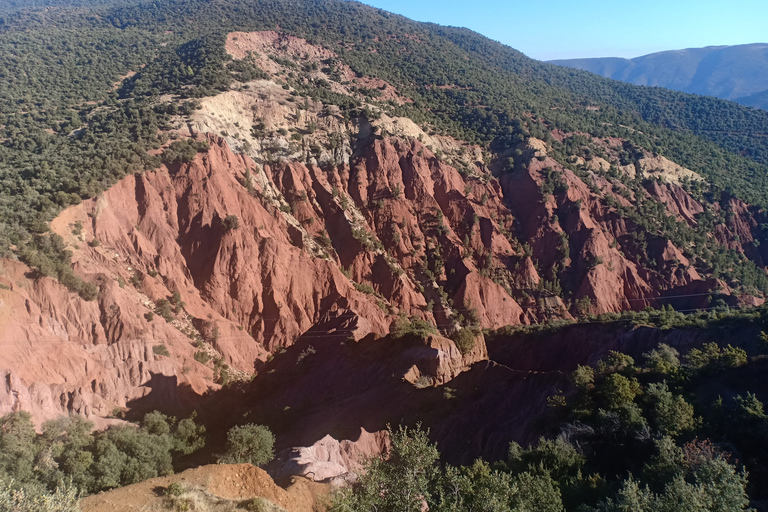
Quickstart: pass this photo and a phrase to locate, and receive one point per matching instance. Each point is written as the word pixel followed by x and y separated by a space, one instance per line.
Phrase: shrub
pixel 711 358
pixel 365 288
pixel 66 450
pixel 50 257
pixel 249 443
pixel 412 327
pixel 178 304
pixel 164 309
pixel 63 499
pixel 663 359
pixel 135 280
pixel 422 382
pixel 161 350
pixel 174 489
pixel 262 505
pixel 464 340
pixel 616 362
pixel 231 222
pixel 182 151
pixel 202 357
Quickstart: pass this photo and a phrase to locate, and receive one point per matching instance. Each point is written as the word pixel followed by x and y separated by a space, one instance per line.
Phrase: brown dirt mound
pixel 215 487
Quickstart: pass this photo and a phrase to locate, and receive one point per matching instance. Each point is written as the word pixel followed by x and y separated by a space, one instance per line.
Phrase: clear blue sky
pixel 563 29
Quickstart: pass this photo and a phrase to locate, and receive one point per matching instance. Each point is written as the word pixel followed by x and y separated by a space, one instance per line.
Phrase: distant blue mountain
pixel 738 73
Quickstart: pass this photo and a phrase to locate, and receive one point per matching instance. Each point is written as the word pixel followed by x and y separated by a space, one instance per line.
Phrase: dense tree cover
pixel 629 437
pixel 60 60
pixel 53 69
pixel 546 477
pixel 13 5
pixel 653 420
pixel 196 69
pixel 68 454
pixel 492 81
pixel 42 172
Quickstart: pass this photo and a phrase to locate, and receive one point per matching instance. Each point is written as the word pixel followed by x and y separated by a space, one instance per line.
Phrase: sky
pixel 566 29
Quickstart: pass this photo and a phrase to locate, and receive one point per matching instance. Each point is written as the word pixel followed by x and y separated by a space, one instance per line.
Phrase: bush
pixel 164 309
pixel 182 151
pixel 711 358
pixel 253 444
pixel 262 505
pixel 464 340
pixel 63 499
pixel 68 451
pixel 231 222
pixel 365 288
pixel 161 350
pixel 50 257
pixel 176 301
pixel 202 357
pixel 412 327
pixel 663 359
pixel 174 489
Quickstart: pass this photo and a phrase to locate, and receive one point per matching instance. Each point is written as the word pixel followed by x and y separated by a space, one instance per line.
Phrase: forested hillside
pixel 84 54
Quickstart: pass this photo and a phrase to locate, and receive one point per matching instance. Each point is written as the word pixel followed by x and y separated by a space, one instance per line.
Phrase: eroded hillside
pixel 294 216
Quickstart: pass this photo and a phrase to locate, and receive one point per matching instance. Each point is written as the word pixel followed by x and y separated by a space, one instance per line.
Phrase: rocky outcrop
pixel 438 360
pixel 329 460
pixel 62 354
pixel 677 201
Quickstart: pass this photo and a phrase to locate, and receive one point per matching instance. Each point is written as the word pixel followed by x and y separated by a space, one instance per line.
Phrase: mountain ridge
pixel 737 73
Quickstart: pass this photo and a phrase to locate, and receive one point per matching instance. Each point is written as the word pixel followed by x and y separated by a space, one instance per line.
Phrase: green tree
pixel 619 390
pixel 663 359
pixel 716 487
pixel 536 492
pixel 109 465
pixel 464 340
pixel 616 362
pixel 402 481
pixel 476 487
pixel 672 415
pixel 17 446
pixel 556 456
pixel 253 444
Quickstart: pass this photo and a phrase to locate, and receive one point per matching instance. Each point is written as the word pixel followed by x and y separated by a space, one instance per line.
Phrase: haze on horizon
pixel 569 30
